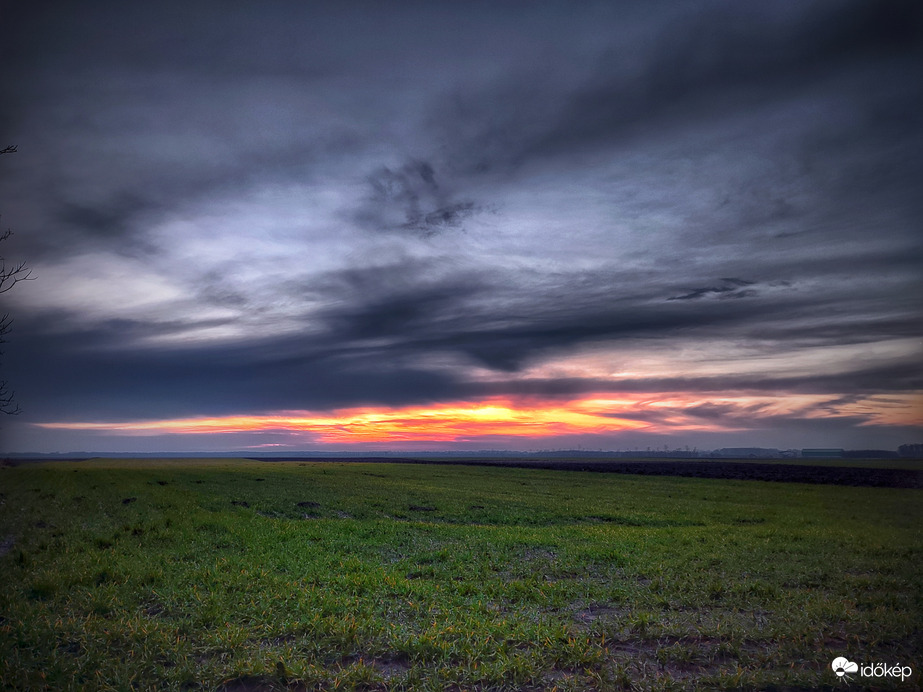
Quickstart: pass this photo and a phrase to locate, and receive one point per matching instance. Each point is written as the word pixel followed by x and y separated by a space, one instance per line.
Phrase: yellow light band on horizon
pixel 595 414
pixel 438 423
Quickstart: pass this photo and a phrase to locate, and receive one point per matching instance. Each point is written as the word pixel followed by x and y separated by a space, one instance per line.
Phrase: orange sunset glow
pixel 446 423
pixel 459 421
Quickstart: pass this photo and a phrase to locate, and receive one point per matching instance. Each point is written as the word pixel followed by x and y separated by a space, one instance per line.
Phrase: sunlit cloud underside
pixel 525 419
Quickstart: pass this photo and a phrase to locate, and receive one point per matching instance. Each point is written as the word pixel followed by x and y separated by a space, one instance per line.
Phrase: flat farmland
pixel 245 575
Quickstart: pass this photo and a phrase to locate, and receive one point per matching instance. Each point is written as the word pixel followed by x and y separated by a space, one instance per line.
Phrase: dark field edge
pixel 747 471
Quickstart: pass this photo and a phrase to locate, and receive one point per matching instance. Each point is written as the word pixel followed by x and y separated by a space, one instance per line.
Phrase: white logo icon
pixel 842 666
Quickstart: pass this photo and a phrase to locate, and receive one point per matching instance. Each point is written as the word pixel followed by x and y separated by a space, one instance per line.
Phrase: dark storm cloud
pixel 360 363
pixel 403 305
pixel 460 314
pixel 729 288
pixel 756 418
pixel 704 63
pixel 137 192
pixel 700 64
pixel 410 199
pixel 130 114
pixel 832 84
pixel 382 325
pixel 862 382
pixel 123 384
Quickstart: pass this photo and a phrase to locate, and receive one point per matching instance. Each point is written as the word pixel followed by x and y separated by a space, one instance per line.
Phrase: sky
pixel 463 225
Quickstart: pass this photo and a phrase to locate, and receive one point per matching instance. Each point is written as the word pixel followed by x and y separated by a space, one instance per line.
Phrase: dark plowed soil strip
pixel 784 473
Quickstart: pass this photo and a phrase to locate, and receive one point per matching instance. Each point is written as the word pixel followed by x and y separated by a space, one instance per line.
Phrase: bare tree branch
pixel 10 275
pixel 13 274
pixel 7 404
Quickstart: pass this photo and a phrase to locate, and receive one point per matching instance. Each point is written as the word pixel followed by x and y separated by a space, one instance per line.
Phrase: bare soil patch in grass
pixel 257 683
pixel 599 611
pixel 390 667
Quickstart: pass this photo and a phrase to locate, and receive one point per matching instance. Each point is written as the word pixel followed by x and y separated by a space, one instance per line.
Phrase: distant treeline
pixel 911 451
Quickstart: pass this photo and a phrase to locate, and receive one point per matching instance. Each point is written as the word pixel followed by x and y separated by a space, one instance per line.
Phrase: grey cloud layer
pixel 376 338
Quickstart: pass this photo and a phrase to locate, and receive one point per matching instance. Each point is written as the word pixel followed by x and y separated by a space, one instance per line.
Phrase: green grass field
pixel 241 575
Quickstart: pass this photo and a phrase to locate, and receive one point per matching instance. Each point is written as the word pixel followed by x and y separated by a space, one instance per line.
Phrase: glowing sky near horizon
pixel 464 225
pixel 527 420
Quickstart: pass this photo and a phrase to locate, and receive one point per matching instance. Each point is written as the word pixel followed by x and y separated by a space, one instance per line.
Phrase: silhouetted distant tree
pixel 10 275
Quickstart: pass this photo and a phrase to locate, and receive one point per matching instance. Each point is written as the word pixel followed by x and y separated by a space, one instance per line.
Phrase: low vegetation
pixel 242 575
